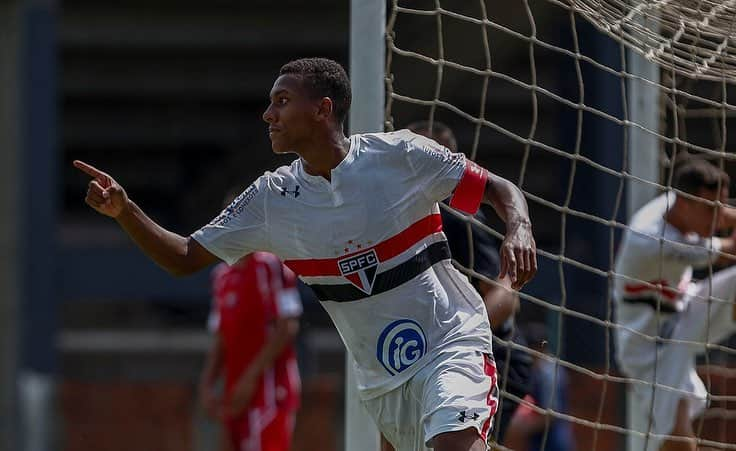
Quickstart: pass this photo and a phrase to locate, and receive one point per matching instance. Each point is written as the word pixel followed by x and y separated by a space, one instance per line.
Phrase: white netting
pixel 693 37
pixel 541 92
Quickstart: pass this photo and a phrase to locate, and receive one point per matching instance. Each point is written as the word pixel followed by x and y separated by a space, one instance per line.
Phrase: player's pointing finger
pixel 97 189
pixel 89 169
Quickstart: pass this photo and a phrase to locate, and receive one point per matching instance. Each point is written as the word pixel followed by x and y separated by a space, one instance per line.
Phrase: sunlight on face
pixel 289 114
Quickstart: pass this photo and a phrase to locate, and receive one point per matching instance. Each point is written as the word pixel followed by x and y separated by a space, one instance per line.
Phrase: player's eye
pixel 282 100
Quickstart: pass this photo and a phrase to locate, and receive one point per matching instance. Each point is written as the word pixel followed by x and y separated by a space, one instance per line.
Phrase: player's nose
pixel 268 115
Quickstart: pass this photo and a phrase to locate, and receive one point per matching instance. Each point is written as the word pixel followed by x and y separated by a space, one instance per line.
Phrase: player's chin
pixel 279 147
pixel 280 150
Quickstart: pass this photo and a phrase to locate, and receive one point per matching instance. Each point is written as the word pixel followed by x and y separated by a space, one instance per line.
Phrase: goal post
pixel 367 72
pixel 643 101
pixel 643 104
pixel 643 147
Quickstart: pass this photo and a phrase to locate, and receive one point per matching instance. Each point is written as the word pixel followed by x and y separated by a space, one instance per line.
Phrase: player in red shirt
pixel 256 310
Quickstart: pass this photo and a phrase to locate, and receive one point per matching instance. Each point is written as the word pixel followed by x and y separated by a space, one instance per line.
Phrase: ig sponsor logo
pixel 400 345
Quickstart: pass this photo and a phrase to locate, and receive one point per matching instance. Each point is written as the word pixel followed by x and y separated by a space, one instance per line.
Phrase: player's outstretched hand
pixel 518 255
pixel 104 194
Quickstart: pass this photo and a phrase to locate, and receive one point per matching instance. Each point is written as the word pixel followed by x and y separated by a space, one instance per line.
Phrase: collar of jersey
pixel 318 179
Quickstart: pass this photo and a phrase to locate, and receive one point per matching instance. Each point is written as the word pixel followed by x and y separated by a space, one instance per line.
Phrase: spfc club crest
pixel 360 270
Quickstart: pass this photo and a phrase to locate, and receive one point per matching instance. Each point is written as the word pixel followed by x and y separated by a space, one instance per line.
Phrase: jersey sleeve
pixel 672 245
pixel 442 173
pixel 288 301
pixel 699 252
pixel 240 228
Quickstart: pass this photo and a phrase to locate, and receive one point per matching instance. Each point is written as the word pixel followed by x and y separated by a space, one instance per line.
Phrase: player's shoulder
pixel 399 140
pixel 649 218
pixel 647 226
pixel 278 179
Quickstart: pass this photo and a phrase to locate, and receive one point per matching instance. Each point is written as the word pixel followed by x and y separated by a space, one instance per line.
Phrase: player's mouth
pixel 272 131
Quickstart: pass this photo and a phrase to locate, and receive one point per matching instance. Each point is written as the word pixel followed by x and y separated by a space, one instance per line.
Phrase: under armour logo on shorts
pixel 464 416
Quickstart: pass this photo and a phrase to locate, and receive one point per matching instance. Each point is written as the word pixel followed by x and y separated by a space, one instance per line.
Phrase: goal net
pixel 586 105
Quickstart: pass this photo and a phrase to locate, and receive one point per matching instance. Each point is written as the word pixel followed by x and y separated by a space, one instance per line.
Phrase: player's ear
pixel 325 108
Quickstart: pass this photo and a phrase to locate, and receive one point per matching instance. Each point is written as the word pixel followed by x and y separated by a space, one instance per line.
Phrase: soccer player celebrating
pixel 665 318
pixel 357 220
pixel 477 250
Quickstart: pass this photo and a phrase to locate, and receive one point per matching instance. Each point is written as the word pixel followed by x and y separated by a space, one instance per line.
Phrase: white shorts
pixel 652 410
pixel 455 391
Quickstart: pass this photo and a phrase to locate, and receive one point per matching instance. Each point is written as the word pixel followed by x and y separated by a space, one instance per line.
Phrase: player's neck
pixel 677 218
pixel 322 158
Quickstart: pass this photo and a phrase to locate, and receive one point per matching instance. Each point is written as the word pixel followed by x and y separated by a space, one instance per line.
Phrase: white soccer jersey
pixel 653 271
pixel 370 244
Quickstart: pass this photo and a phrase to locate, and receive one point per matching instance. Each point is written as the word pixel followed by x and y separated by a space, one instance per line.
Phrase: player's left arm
pixel 518 250
pixel 443 173
pixel 284 332
pixel 288 309
pixel 726 217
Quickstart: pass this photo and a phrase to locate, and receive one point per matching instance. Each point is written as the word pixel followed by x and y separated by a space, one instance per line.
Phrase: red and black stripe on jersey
pixel 467 197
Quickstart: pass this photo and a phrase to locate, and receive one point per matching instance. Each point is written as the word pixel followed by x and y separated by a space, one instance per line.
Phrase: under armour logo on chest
pixel 294 192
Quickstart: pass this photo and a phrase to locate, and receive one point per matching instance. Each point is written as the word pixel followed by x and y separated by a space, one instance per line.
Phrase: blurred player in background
pixel 357 219
pixel 255 313
pixel 530 429
pixel 656 297
pixel 476 249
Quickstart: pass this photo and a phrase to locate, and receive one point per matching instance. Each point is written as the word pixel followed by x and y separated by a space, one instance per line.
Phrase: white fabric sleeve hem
pixel 211 248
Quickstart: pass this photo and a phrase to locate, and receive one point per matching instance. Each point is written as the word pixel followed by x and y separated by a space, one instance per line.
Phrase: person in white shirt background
pixel 665 318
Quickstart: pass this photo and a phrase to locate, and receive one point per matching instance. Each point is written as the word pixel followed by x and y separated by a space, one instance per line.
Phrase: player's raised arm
pixel 176 254
pixel 518 250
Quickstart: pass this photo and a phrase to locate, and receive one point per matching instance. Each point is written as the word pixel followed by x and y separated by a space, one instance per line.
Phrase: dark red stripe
pixel 385 250
pixel 489 367
pixel 469 192
pixel 664 289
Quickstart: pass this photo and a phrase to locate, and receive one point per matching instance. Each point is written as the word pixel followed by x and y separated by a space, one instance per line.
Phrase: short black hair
pixel 695 173
pixel 438 129
pixel 323 78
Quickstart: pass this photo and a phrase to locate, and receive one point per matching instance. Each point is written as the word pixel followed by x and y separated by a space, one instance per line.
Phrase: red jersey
pixel 248 298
